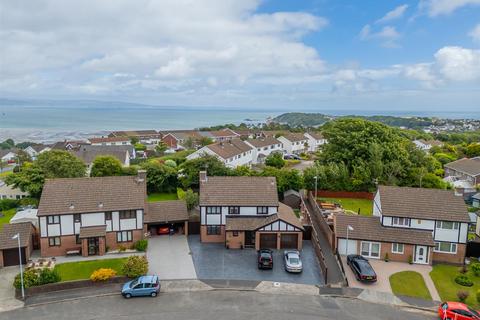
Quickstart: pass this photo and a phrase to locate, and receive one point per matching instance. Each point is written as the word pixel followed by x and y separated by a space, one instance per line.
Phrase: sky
pixel 369 54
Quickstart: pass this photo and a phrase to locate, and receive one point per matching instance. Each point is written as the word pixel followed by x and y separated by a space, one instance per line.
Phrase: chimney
pixel 203 176
pixel 141 176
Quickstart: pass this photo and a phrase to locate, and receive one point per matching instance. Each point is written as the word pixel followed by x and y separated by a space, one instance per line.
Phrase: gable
pixel 279 225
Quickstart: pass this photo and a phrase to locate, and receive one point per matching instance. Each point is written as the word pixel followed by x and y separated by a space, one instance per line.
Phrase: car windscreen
pixel 133 283
pixel 475 313
pixel 365 268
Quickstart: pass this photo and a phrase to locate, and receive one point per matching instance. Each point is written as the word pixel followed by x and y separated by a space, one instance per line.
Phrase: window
pixel 262 210
pixel 445 247
pixel 448 225
pixel 77 239
pixel 213 230
pixel 214 210
pixel 235 233
pixel 54 241
pixel 77 217
pixel 108 216
pixel 396 221
pixel 53 219
pixel 397 248
pixel 124 236
pixel 128 214
pixel 233 210
pixel 370 249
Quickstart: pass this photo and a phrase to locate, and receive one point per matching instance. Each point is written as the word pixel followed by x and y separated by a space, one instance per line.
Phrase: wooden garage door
pixel 268 241
pixel 289 241
pixel 10 257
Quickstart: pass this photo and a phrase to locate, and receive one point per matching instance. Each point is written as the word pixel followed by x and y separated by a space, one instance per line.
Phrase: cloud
pixel 394 14
pixel 444 7
pixel 475 33
pixel 388 35
pixel 458 64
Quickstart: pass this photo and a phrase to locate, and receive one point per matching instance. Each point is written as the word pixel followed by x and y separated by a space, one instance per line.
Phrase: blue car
pixel 142 286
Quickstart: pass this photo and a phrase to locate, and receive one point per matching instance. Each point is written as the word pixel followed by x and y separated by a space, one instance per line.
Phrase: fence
pixel 346 194
pixel 320 221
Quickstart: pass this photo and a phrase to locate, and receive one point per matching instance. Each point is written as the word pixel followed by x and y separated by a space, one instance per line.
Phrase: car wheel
pixel 153 294
pixel 128 295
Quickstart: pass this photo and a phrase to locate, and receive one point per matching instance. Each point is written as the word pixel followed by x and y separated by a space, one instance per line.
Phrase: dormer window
pixel 262 210
pixel 397 221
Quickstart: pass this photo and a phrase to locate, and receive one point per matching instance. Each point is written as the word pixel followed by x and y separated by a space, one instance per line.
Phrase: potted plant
pixel 387 258
pixel 410 259
pixel 227 244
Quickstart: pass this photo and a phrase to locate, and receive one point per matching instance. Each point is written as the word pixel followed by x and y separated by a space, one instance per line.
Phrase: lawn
pixel 443 276
pixel 162 196
pixel 409 283
pixel 365 205
pixel 83 269
pixel 7 215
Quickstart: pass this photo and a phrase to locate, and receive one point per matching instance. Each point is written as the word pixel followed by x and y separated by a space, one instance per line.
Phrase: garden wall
pixel 345 194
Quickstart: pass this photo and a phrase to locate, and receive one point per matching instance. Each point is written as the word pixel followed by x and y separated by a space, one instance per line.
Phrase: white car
pixel 293 263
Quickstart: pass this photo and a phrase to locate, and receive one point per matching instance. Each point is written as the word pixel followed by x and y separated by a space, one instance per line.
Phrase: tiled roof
pixel 25 229
pixel 89 153
pixel 316 135
pixel 370 229
pixel 108 139
pixel 422 203
pixel 239 191
pixel 468 166
pixel 294 137
pixel 81 195
pixel 263 142
pixel 90 232
pixel 166 211
pixel 135 133
pixel 230 148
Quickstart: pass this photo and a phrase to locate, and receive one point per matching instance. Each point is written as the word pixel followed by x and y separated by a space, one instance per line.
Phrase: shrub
pixel 28 202
pixel 275 160
pixel 135 266
pixel 170 163
pixel 463 280
pixel 48 276
pixel 122 248
pixel 7 204
pixel 102 274
pixel 478 296
pixel 475 267
pixel 462 295
pixel 30 279
pixel 191 198
pixel 141 245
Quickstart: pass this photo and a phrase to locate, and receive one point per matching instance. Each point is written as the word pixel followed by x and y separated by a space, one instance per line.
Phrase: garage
pixel 9 243
pixel 342 247
pixel 10 257
pixel 289 241
pixel 167 217
pixel 268 241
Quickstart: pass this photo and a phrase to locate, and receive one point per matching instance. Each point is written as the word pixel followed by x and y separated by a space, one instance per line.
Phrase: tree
pixel 205 141
pixel 23 157
pixel 286 178
pixel 189 143
pixel 190 170
pixel 160 178
pixel 104 166
pixel 275 160
pixel 30 179
pixel 161 147
pixel 473 150
pixel 134 140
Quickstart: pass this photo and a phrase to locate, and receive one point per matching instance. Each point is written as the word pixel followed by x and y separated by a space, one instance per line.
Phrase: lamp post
pixel 349 228
pixel 316 179
pixel 17 236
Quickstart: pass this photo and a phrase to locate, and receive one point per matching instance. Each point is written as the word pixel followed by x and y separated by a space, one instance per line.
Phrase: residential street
pixel 215 305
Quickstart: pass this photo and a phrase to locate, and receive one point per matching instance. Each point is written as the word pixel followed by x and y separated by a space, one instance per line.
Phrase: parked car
pixel 361 268
pixel 457 311
pixel 292 260
pixel 142 286
pixel 265 259
pixel 291 157
pixel 163 230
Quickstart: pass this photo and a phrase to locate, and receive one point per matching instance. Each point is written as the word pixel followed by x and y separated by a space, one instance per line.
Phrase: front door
pixel 421 254
pixel 93 246
pixel 249 239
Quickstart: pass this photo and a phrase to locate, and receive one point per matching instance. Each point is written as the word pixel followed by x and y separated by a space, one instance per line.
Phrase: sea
pixel 49 122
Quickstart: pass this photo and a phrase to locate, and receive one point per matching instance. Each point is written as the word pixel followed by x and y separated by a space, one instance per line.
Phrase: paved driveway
pixel 7 292
pixel 213 261
pixel 304 164
pixel 169 257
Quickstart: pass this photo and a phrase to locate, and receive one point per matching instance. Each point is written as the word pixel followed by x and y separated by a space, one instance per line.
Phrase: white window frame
pixel 396 221
pixel 452 244
pixel 397 245
pixel 455 225
pixel 370 245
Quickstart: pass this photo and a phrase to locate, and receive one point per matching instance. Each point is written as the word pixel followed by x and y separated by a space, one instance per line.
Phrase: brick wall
pixel 204 237
pixel 235 242
pixel 66 242
pixel 457 258
pixel 112 244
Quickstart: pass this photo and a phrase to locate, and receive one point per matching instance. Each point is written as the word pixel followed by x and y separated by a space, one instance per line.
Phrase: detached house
pixel 34 150
pixel 295 143
pixel 426 145
pixel 89 215
pixel 315 140
pixel 263 147
pixel 144 136
pixel 232 153
pixel 464 174
pixel 409 224
pixel 245 212
pixel 110 141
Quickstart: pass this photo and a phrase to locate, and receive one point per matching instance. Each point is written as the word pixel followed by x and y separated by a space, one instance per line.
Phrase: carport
pixel 9 247
pixel 170 214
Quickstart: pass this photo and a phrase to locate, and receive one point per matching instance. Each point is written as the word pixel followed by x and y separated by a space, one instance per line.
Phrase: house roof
pixel 316 135
pixel 422 203
pixel 80 195
pixel 62 145
pixel 4 152
pixel 294 136
pixel 230 148
pixel 134 133
pixel 239 191
pixel 469 166
pixel 430 142
pixel 476 196
pixel 25 229
pixel 39 147
pixel 108 139
pixel 166 211
pixel 222 133
pixel 263 142
pixel 369 228
pixel 88 153
pixel 90 232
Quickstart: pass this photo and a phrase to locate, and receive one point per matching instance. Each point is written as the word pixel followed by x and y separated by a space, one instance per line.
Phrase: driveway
pixel 7 292
pixel 169 257
pixel 384 270
pixel 213 261
pixel 304 164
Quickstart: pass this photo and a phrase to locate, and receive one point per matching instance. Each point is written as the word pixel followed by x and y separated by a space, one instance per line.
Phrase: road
pixel 215 305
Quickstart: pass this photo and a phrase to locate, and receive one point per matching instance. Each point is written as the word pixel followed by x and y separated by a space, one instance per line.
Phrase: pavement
pixel 169 257
pixel 7 292
pixel 213 261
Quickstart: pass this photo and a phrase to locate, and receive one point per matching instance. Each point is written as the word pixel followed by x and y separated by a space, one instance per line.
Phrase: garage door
pixel 10 257
pixel 268 241
pixel 289 241
pixel 342 246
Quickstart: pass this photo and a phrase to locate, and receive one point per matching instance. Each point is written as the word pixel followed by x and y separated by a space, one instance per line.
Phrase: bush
pixel 122 248
pixel 48 276
pixel 191 198
pixel 28 202
pixel 7 204
pixel 141 245
pixel 478 296
pixel 102 274
pixel 30 279
pixel 462 295
pixel 475 267
pixel 135 266
pixel 275 160
pixel 463 280
pixel 170 163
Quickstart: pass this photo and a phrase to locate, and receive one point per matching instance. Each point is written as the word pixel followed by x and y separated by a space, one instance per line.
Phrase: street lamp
pixel 349 228
pixel 316 179
pixel 17 236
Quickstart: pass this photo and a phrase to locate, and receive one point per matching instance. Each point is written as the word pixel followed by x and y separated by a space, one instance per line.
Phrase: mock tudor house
pixel 315 140
pixel 410 225
pixel 244 212
pixel 294 143
pixel 89 215
pixel 232 153
pixel 263 147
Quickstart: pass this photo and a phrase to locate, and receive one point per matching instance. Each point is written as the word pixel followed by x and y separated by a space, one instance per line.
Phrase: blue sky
pixel 251 53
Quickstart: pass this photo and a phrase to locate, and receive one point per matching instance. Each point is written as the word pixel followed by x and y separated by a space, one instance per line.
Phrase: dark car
pixel 361 268
pixel 265 259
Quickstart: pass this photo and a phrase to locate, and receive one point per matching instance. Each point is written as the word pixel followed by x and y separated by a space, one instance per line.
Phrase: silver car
pixel 293 263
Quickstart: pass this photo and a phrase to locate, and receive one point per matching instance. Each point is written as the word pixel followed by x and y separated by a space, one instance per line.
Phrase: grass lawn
pixel 365 205
pixel 409 283
pixel 83 269
pixel 5 173
pixel 443 276
pixel 7 215
pixel 162 196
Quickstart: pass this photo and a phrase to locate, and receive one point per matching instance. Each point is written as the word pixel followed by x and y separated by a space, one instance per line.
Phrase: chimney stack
pixel 141 176
pixel 203 176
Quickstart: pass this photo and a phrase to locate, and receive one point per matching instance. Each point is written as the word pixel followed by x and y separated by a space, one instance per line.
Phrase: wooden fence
pixel 345 194
pixel 325 228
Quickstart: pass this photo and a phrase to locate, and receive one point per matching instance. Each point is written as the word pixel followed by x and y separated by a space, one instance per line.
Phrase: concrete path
pixel 7 292
pixel 169 257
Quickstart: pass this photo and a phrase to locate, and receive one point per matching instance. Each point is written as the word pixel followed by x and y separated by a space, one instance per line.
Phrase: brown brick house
pixel 9 247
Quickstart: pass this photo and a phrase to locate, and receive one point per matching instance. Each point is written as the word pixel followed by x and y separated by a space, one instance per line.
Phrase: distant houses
pixel 464 174
pixel 232 153
pixel 426 145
